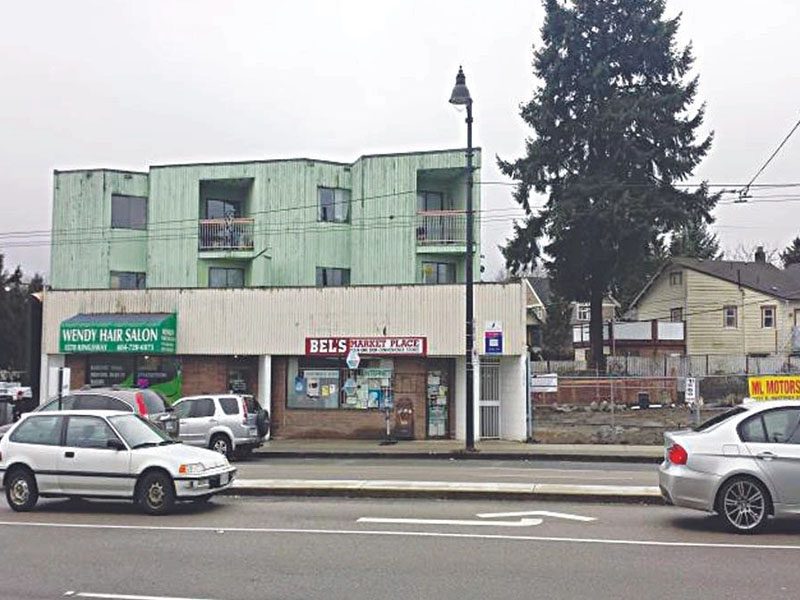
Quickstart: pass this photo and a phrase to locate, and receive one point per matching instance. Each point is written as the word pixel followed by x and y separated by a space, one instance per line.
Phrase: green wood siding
pixel 378 244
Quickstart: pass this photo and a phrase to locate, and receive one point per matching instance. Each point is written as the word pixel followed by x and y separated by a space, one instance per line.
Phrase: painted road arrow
pixel 520 523
pixel 537 513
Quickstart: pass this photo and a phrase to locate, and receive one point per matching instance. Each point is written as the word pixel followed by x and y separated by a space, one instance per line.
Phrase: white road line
pixel 394 521
pixel 537 513
pixel 418 534
pixel 124 596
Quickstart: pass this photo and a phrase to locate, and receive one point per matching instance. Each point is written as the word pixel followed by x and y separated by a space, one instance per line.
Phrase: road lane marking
pixel 417 534
pixel 520 523
pixel 537 513
pixel 124 596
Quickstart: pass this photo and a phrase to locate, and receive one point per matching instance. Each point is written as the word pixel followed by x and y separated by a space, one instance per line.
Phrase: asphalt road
pixel 514 471
pixel 240 549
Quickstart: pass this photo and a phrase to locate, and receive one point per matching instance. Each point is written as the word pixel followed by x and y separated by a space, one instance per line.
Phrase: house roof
pixel 541 287
pixel 759 276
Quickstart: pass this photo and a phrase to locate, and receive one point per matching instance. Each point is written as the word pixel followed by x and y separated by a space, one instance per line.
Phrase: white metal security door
pixel 490 399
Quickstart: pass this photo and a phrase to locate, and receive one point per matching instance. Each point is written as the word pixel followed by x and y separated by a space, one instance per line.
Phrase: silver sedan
pixel 743 465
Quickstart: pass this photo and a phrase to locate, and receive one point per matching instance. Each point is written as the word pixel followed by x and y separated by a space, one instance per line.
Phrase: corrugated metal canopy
pixel 117 319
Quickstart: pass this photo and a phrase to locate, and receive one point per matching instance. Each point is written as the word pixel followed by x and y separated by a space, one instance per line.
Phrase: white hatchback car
pixel 105 454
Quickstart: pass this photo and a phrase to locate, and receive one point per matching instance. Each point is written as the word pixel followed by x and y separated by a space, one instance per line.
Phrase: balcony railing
pixel 226 234
pixel 437 227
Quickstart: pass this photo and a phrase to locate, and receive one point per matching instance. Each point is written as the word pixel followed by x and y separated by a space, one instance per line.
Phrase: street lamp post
pixel 461 97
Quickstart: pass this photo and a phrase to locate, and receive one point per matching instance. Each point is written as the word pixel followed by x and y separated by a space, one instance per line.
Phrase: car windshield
pixel 720 418
pixel 138 433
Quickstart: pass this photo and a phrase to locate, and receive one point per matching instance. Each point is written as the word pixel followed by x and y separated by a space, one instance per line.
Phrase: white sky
pixel 117 84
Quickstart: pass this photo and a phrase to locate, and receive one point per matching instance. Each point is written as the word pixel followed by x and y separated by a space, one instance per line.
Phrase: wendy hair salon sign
pixel 119 334
pixel 375 346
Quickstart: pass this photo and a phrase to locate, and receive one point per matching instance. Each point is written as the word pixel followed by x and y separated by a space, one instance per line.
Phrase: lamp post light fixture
pixel 460 97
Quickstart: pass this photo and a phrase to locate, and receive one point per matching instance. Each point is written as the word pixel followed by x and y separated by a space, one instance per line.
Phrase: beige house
pixel 729 307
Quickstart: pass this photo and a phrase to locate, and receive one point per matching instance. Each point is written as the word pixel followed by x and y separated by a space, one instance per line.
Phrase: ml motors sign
pixel 119 334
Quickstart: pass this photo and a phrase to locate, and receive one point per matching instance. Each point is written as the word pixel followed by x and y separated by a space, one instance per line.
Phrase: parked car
pixel 228 423
pixel 108 454
pixel 15 390
pixel 146 403
pixel 743 465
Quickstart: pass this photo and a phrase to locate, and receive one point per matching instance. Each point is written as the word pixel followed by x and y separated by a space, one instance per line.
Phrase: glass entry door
pixel 438 419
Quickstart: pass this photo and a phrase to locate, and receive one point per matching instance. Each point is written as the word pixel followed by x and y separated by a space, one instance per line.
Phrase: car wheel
pixel 744 505
pixel 21 491
pixel 156 494
pixel 262 422
pixel 222 444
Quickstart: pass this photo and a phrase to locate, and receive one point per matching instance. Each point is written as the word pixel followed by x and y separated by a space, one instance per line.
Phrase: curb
pixel 461 455
pixel 446 490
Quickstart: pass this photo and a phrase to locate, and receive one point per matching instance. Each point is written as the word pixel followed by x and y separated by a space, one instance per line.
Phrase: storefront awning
pixel 128 333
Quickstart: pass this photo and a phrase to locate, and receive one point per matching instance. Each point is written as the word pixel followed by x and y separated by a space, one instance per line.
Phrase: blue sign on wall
pixel 493 342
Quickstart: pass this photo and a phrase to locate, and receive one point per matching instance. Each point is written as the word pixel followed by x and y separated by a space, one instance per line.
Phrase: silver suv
pixel 231 424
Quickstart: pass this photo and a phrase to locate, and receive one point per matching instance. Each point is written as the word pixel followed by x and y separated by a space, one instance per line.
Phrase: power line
pixel 746 190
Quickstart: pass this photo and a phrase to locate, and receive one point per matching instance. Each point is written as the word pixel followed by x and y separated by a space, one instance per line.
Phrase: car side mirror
pixel 115 445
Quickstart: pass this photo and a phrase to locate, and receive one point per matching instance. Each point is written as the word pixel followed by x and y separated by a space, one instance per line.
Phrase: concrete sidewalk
pixel 446 449
pixel 617 494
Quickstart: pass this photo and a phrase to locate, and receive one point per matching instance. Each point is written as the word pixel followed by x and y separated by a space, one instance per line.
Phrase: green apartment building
pixel 319 259
pixel 383 219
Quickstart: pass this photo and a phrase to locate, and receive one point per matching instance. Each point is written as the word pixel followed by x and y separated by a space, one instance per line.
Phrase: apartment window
pixel 676 315
pixel 334 205
pixel 584 312
pixel 128 212
pixel 730 317
pixel 438 272
pixel 222 209
pixel 676 278
pixel 430 201
pixel 128 280
pixel 331 277
pixel 219 277
pixel 768 317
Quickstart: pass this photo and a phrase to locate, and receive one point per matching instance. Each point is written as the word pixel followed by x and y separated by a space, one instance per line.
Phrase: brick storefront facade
pixel 409 385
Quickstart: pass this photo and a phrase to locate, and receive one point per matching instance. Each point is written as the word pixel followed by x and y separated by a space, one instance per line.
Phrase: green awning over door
pixel 129 333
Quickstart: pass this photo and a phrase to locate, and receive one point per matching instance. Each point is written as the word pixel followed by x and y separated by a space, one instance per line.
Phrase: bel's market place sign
pixel 123 333
pixel 774 387
pixel 377 346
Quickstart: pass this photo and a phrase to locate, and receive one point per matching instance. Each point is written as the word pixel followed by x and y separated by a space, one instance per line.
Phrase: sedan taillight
pixel 677 454
pixel 140 404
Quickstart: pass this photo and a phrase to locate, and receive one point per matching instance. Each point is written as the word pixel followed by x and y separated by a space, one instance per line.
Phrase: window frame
pixel 760 417
pixel 227 271
pixel 61 430
pixel 735 309
pixel 346 201
pixel 423 197
pixel 124 215
pixel 583 312
pixel 237 206
pixel 107 425
pixel 324 273
pixel 139 277
pixel 676 311
pixel 773 309
pixel 676 278
pixel 437 266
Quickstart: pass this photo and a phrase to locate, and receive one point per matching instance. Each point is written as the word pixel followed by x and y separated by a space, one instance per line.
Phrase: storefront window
pixel 161 373
pixel 329 384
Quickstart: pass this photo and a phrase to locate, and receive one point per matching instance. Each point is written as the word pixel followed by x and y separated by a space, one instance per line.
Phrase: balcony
pixel 225 235
pixel 629 335
pixel 438 228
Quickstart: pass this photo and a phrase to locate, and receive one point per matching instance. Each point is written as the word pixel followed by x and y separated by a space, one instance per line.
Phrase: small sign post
pixel 690 394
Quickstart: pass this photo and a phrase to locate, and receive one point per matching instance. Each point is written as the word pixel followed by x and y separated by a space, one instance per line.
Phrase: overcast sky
pixel 129 84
